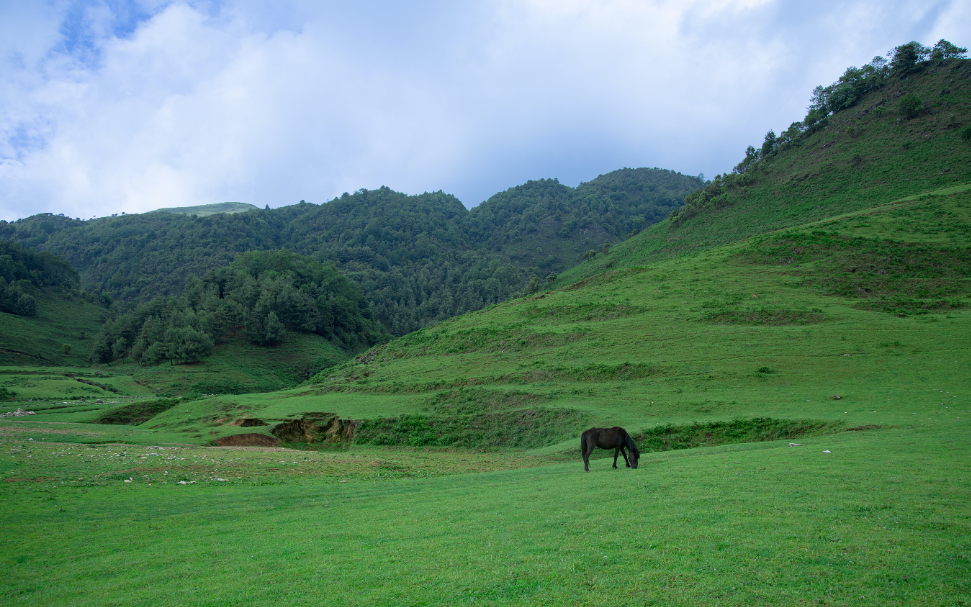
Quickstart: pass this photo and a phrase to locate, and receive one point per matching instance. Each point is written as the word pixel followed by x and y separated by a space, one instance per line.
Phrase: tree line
pixel 262 295
pixel 418 259
pixel 21 269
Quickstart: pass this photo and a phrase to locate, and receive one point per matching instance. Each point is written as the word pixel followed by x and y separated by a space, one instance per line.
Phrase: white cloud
pixel 184 104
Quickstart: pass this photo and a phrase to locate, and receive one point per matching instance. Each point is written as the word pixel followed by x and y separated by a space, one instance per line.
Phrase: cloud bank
pixel 110 106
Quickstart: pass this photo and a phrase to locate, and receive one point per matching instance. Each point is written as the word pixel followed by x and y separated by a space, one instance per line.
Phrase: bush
pixel 966 133
pixel 910 106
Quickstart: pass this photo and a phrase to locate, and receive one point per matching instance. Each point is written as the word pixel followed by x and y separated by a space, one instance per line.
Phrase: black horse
pixel 608 438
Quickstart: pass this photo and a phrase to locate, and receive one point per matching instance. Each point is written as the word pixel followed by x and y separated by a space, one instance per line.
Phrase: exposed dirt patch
pixel 247 440
pixel 315 429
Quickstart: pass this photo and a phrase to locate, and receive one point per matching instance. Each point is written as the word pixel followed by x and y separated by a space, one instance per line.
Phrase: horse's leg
pixel 616 451
pixel 585 451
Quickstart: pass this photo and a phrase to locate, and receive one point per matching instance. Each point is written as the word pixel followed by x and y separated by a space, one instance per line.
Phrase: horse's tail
pixel 583 442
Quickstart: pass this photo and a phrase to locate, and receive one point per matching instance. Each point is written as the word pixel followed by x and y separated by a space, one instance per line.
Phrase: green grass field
pixel 62 319
pixel 880 519
pixel 858 326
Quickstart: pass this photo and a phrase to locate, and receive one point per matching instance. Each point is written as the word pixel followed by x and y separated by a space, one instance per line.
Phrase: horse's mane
pixel 630 445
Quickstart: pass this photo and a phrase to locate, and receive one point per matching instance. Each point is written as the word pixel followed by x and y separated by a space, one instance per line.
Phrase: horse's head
pixel 634 455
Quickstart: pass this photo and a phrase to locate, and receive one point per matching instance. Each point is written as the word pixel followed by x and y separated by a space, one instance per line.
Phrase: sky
pixel 112 106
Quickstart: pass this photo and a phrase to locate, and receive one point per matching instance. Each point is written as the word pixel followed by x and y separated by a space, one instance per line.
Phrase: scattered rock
pixel 795 445
pixel 827 451
pixel 18 413
pixel 837 396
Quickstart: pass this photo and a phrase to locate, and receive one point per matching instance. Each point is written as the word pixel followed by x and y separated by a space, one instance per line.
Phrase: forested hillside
pixel 260 296
pixel 22 268
pixel 888 130
pixel 44 317
pixel 418 259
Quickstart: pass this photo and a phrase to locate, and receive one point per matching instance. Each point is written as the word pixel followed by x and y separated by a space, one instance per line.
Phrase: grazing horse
pixel 608 438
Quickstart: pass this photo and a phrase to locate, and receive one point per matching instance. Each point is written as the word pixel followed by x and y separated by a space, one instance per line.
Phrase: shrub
pixel 966 133
pixel 910 106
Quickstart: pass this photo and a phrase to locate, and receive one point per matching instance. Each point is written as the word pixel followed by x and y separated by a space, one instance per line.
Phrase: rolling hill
pixel 418 259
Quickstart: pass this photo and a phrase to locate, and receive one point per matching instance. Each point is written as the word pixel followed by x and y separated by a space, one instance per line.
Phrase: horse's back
pixel 605 438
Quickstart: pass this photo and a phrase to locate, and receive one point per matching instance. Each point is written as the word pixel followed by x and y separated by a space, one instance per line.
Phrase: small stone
pixel 827 451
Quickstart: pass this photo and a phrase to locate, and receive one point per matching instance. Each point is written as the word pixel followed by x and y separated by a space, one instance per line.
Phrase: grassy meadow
pixel 802 398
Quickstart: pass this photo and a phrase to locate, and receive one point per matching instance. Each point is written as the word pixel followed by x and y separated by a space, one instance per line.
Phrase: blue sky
pixel 115 106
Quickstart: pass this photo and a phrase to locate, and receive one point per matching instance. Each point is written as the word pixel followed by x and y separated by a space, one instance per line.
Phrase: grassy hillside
pixel 864 156
pixel 239 367
pixel 204 210
pixel 62 319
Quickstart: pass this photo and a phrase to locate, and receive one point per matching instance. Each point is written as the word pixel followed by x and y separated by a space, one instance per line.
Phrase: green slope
pixel 204 210
pixel 70 319
pixel 867 155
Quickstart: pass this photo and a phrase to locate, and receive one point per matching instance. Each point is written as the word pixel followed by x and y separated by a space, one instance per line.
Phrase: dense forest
pixel 261 295
pixel 417 259
pixel 22 268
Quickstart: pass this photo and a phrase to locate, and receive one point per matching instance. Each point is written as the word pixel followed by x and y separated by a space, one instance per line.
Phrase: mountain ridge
pixel 419 259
